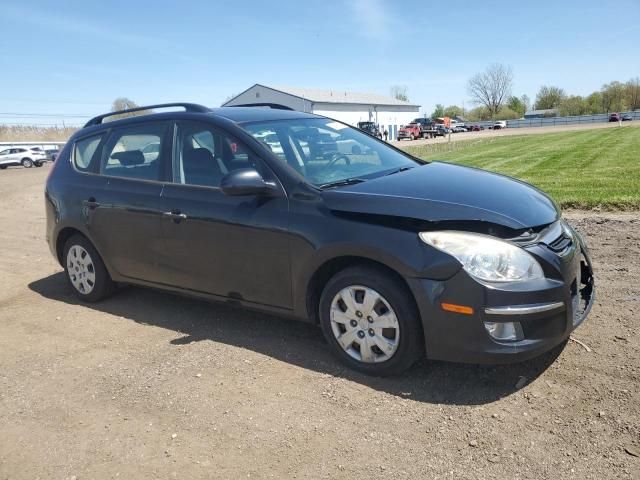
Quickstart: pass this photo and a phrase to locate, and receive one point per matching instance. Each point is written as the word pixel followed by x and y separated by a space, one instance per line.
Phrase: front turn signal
pixel 455 308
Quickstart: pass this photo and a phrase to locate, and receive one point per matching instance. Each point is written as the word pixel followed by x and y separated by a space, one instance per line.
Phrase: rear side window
pixel 84 151
pixel 134 152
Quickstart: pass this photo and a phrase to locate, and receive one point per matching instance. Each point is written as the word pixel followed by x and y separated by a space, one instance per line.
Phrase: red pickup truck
pixel 411 131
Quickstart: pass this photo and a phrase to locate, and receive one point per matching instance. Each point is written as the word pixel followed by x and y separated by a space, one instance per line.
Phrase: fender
pixel 303 275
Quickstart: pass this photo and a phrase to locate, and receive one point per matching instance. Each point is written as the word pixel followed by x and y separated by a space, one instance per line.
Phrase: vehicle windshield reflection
pixel 327 152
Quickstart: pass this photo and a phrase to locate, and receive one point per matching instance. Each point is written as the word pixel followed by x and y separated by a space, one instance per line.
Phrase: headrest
pixel 129 158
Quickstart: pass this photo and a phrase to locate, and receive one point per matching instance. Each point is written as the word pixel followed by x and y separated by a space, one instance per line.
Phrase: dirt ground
pixel 151 385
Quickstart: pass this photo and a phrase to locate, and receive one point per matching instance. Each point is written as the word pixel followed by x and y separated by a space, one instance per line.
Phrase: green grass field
pixel 579 169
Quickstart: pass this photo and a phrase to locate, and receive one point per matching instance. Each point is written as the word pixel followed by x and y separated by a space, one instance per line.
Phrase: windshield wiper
pixel 401 169
pixel 340 183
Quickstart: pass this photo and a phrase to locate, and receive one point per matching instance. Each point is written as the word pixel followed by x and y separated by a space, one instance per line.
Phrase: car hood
pixel 444 192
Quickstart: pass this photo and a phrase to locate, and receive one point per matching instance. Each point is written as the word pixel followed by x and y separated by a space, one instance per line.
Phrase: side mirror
pixel 246 181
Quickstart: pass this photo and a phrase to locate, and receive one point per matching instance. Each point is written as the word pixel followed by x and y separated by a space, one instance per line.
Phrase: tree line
pixel 491 92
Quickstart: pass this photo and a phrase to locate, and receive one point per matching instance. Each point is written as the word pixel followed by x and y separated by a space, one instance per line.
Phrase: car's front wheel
pixel 370 321
pixel 27 163
pixel 85 270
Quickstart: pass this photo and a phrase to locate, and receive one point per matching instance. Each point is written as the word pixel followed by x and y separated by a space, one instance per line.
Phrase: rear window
pixel 84 152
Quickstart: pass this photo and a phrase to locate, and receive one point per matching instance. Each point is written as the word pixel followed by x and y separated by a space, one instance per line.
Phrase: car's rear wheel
pixel 27 163
pixel 85 270
pixel 3 167
pixel 370 321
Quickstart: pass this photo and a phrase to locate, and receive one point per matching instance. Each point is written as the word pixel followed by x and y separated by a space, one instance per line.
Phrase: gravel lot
pixel 151 385
pixel 456 137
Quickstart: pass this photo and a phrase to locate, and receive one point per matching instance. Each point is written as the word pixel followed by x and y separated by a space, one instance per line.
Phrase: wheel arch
pixel 63 235
pixel 66 232
pixel 330 267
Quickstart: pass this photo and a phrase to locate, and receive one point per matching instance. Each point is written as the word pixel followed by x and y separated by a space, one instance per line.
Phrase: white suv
pixel 27 157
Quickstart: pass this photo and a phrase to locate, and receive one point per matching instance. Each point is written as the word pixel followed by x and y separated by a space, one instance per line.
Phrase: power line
pixel 35 115
pixel 30 124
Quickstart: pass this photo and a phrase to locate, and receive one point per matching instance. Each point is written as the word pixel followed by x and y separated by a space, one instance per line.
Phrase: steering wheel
pixel 336 157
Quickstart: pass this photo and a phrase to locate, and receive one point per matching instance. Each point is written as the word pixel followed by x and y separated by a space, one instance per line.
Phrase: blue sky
pixel 75 57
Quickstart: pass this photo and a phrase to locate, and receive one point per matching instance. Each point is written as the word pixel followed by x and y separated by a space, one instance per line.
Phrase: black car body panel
pixel 269 252
pixel 440 191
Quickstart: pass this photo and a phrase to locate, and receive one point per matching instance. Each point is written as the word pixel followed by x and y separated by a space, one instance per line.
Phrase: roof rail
pixel 275 106
pixel 188 107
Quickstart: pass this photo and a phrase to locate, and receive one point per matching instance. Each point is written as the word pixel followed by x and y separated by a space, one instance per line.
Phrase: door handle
pixel 91 203
pixel 175 215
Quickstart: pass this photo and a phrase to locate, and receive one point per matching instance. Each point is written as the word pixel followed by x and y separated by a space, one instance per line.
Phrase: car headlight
pixel 486 258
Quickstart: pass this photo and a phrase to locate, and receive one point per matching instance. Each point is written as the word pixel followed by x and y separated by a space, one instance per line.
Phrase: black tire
pixel 26 162
pixel 3 167
pixel 103 285
pixel 411 338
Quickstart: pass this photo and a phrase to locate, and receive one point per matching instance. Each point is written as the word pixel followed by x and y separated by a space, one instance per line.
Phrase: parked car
pixel 427 127
pixel 499 125
pixel 627 117
pixel 395 258
pixel 614 117
pixel 476 128
pixel 411 131
pixel 371 128
pixel 458 129
pixel 52 154
pixel 151 150
pixel 441 130
pixel 21 156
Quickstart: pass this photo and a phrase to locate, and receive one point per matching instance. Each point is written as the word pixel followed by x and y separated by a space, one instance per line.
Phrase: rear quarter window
pixel 84 152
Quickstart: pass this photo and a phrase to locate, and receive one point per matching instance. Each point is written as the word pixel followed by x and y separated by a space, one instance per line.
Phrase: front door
pixel 236 247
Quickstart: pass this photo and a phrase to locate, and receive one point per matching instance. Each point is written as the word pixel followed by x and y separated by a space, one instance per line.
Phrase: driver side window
pixel 204 155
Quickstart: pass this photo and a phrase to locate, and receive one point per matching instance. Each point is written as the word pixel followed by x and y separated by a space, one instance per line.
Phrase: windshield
pixel 325 151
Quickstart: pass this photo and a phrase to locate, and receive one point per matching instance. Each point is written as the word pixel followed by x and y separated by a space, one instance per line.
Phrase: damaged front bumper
pixel 510 322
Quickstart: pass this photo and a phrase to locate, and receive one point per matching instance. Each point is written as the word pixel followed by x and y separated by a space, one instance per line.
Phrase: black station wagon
pixel 304 216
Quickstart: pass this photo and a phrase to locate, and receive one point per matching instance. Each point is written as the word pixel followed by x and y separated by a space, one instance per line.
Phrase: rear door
pixel 16 155
pixel 125 206
pixel 236 247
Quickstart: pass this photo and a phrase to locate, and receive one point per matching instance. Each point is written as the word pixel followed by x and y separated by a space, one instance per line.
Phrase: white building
pixel 348 107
